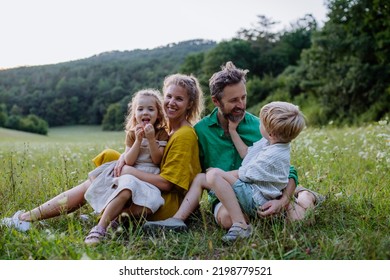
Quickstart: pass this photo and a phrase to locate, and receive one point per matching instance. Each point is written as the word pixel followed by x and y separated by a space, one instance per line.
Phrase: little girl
pixel 145 141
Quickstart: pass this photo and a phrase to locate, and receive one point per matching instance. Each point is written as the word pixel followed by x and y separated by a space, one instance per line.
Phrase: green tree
pixel 34 124
pixel 347 68
pixel 3 115
pixel 114 118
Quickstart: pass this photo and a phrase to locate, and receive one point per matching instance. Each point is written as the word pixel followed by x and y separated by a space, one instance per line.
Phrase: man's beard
pixel 234 118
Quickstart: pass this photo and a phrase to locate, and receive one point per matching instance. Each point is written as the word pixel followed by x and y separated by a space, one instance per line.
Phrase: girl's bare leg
pixel 65 202
pixel 114 208
pixel 136 211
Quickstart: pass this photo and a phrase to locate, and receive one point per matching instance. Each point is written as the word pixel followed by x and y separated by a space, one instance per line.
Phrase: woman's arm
pixel 120 163
pixel 154 179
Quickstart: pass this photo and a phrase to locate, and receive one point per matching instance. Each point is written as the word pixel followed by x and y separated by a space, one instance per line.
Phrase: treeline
pixel 81 92
pixel 337 73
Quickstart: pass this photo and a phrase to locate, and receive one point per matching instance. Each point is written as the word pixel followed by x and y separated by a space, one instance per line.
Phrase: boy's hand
pixel 232 126
pixel 270 208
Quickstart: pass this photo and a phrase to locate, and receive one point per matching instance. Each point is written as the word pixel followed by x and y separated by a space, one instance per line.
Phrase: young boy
pixel 264 171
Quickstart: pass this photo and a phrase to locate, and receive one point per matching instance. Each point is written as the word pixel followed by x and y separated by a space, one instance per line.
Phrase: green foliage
pixel 346 69
pixel 3 115
pixel 33 123
pixel 79 92
pixel 29 123
pixel 113 119
pixel 348 165
pixel 338 73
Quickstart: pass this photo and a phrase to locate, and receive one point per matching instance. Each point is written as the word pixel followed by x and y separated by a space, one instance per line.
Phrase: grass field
pixel 349 165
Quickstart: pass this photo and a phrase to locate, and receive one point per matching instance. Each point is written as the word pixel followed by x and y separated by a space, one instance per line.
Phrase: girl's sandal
pixel 96 234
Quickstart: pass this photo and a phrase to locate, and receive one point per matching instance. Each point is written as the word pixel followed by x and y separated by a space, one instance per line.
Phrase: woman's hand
pixel 119 165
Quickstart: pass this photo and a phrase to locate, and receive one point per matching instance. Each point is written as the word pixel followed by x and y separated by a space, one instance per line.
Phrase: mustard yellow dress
pixel 179 165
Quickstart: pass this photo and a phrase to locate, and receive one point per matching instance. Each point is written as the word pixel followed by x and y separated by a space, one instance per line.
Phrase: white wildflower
pixel 380 155
pixel 337 195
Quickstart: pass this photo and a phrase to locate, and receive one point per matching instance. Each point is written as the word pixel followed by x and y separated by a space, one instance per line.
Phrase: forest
pixel 338 73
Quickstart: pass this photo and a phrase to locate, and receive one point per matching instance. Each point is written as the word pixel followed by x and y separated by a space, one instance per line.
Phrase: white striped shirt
pixel 266 168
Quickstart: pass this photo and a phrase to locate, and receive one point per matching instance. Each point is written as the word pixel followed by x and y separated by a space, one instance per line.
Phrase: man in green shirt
pixel 216 148
pixel 224 137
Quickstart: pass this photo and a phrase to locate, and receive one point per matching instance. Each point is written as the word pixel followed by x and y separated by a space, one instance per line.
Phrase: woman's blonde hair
pixel 283 120
pixel 131 120
pixel 194 91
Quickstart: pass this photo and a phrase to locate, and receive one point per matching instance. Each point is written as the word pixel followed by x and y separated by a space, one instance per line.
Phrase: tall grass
pixel 349 165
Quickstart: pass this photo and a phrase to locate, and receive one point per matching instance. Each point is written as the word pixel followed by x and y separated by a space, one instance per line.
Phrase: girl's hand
pixel 139 133
pixel 149 132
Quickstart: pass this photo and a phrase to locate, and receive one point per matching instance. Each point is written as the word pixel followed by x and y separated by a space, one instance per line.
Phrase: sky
pixel 39 32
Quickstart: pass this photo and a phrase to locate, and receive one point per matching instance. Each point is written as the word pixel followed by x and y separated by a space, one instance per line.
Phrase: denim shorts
pixel 244 194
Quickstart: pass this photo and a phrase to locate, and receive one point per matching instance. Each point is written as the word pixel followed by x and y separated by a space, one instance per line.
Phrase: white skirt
pixel 105 187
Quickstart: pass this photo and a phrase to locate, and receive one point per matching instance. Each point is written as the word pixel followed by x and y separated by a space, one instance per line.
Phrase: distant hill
pixel 80 91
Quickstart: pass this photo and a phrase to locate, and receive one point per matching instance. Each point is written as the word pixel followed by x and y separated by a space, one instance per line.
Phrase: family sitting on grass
pixel 171 157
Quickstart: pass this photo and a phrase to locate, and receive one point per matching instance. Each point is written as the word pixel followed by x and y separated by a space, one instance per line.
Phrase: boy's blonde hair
pixel 131 121
pixel 283 120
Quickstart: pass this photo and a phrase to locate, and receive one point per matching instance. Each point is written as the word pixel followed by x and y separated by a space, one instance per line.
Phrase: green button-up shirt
pixel 217 149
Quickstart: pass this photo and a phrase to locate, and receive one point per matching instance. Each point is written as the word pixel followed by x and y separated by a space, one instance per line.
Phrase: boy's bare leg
pixel 223 218
pixel 221 183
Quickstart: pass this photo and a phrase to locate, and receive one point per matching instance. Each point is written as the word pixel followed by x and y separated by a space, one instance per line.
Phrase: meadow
pixel 350 166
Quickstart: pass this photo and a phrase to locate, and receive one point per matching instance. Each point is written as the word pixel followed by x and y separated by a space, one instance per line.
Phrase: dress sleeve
pixel 182 164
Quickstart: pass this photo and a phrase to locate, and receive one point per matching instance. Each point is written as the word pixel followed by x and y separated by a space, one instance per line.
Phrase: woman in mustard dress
pixel 183 104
